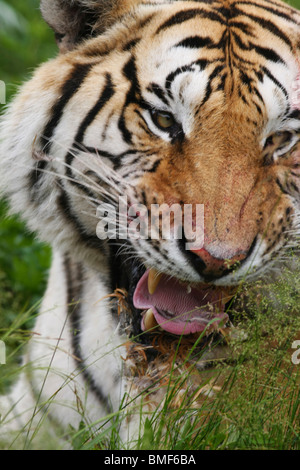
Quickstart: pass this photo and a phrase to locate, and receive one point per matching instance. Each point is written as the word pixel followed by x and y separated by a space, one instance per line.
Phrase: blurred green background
pixel 25 42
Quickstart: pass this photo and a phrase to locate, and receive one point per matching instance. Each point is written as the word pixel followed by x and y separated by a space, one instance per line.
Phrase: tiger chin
pixel 156 103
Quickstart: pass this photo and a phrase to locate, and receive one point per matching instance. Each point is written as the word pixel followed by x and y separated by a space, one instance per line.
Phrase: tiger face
pixel 184 103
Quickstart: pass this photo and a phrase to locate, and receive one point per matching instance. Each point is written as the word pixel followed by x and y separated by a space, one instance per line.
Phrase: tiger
pixel 153 103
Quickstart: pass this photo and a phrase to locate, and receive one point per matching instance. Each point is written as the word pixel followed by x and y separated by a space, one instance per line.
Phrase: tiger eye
pixel 163 120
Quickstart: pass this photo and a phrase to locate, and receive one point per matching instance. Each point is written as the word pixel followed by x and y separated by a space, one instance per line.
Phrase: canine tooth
pixel 149 320
pixel 153 280
pixel 188 289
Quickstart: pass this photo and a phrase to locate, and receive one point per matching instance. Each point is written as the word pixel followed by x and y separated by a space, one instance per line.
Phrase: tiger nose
pixel 213 268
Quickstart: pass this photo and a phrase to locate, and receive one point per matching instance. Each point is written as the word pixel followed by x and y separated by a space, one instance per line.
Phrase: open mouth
pixel 178 307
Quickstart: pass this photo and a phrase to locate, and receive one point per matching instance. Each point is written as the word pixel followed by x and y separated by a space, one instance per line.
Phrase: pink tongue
pixel 178 308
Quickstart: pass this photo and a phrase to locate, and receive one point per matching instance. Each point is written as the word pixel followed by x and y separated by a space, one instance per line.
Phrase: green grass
pixel 258 407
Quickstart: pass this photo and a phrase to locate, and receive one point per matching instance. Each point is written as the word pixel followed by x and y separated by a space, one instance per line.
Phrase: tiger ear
pixel 75 20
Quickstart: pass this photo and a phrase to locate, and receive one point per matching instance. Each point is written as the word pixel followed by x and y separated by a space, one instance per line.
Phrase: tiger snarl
pixel 155 103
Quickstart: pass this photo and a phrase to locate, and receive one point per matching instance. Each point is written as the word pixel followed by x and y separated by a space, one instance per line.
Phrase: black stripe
pixel 35 176
pixel 187 15
pixel 242 60
pixel 105 96
pixel 295 114
pixel 158 91
pixel 257 93
pixel 154 167
pixel 247 29
pixel 133 96
pixel 208 91
pixel 74 279
pixel 202 63
pixel 259 110
pixel 70 87
pixel 281 187
pixel 195 42
pixel 131 44
pixel 268 53
pixel 115 158
pixel 178 18
pixel 246 80
pixel 268 25
pixel 143 124
pixel 222 83
pixel 95 151
pixel 97 51
pixel 274 11
pixel 277 83
pixel 226 12
pixel 252 90
pixel 64 205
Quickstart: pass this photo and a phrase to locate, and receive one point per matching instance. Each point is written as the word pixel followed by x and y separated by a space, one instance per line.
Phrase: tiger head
pixel 151 104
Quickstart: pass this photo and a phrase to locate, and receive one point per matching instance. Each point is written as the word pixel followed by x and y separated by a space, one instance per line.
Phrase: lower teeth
pixel 149 320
